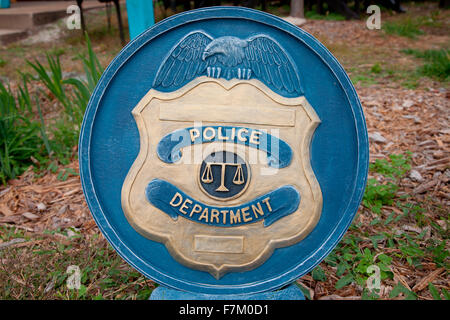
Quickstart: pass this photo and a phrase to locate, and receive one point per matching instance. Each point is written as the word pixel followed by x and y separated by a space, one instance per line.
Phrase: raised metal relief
pixel 223 175
pixel 258 57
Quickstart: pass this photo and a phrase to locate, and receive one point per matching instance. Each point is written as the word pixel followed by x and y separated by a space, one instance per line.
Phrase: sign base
pixel 291 292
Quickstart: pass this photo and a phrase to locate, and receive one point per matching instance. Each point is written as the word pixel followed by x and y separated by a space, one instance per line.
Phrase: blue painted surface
pixel 169 146
pixel 4 4
pixel 140 16
pixel 109 144
pixel 291 292
pixel 281 202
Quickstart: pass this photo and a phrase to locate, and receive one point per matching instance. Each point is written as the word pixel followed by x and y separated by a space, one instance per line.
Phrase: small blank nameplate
pixel 263 115
pixel 219 244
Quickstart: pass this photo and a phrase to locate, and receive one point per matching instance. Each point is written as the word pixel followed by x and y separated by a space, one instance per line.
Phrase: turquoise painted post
pixel 140 16
pixel 4 4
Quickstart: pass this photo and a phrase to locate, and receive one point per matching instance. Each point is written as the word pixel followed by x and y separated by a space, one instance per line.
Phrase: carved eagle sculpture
pixel 259 57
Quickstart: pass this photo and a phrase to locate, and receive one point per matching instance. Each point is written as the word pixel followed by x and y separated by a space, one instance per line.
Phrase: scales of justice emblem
pixel 223 175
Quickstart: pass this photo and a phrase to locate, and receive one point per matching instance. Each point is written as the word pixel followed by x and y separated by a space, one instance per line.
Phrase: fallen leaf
pixel 30 215
pixel 6 211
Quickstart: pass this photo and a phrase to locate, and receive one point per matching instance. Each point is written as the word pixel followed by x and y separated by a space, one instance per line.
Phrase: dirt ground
pixel 404 113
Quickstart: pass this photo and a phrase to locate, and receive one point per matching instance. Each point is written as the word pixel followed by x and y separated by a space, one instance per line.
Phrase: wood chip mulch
pixel 398 120
pixel 46 203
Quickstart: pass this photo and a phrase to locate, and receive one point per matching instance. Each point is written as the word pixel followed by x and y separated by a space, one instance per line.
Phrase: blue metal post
pixel 140 16
pixel 4 4
pixel 291 292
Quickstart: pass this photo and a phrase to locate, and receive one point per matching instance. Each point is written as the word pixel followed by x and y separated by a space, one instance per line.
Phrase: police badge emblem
pixel 227 178
pixel 224 151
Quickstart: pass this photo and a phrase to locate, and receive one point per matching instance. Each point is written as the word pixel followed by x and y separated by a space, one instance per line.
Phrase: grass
pixel 409 76
pixel 360 247
pixel 412 26
pixel 351 262
pixel 331 16
pixel 407 27
pixel 20 134
pixel 437 63
pixel 380 75
pixel 363 79
pixel 41 268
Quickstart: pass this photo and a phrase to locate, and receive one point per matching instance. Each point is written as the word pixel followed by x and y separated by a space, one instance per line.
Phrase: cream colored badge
pixel 218 102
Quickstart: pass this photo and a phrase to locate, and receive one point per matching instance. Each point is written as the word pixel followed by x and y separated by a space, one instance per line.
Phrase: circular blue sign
pixel 110 138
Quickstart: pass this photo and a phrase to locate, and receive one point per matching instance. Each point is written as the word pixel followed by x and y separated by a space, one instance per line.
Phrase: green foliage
pixel 2 62
pixel 376 68
pixel 398 289
pixel 439 253
pixel 352 258
pixel 352 263
pixel 20 139
pixel 43 268
pixel 414 250
pixel 25 138
pixel 303 290
pixel 364 80
pixel 434 292
pixel 380 193
pixel 7 234
pixel 395 167
pixel 407 27
pixel 344 281
pixel 318 274
pixel 446 294
pixel 313 14
pixel 437 63
pixel 73 94
pixel 377 194
pixel 332 16
pixel 411 27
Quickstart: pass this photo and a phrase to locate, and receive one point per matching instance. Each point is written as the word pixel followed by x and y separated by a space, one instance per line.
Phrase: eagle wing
pixel 184 61
pixel 269 63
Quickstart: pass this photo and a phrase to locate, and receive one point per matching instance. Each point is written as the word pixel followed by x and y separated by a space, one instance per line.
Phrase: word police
pixel 221 134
